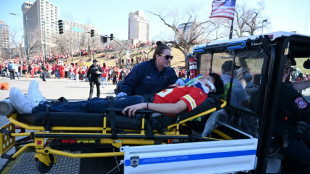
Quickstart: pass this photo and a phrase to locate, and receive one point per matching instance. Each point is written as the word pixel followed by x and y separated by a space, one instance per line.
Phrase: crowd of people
pixel 60 70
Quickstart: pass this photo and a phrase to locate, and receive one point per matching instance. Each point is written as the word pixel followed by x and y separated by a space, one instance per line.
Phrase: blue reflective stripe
pixel 180 158
pixel 236 45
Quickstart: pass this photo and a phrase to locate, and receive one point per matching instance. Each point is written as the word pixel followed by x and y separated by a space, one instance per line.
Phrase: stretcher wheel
pixel 42 168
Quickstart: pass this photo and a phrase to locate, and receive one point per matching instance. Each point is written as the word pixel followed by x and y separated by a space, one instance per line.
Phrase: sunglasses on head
pixel 168 57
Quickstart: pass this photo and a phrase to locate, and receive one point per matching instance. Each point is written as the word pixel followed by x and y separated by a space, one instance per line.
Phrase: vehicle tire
pixel 42 168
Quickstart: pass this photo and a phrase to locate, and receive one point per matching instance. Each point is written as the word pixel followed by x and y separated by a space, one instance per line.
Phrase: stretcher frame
pixel 40 138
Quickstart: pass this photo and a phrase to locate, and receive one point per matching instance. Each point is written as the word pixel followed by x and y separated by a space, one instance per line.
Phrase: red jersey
pixel 105 72
pixel 192 96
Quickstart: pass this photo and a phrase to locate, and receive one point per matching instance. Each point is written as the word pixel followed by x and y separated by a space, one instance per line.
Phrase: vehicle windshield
pixel 246 79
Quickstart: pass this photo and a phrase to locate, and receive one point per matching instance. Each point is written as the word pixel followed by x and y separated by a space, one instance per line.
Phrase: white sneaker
pixel 21 102
pixel 34 93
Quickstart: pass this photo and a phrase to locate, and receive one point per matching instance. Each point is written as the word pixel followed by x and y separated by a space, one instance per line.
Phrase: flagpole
pixel 231 29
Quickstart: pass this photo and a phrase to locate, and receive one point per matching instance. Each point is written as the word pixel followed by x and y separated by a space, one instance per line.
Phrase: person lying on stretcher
pixel 170 101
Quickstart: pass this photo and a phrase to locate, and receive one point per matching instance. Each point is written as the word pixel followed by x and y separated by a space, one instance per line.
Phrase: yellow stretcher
pixel 60 139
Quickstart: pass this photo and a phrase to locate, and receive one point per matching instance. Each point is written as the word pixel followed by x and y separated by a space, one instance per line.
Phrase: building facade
pixel 138 27
pixel 4 35
pixel 40 25
pixel 77 29
pixel 78 34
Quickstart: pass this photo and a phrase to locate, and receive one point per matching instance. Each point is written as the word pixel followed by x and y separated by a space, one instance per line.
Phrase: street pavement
pixel 53 89
pixel 56 88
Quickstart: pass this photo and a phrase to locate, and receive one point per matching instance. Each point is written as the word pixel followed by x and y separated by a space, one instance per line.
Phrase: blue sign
pixel 77 29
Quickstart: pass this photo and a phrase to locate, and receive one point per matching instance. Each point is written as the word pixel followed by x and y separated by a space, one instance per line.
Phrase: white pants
pixel 77 78
pixel 104 82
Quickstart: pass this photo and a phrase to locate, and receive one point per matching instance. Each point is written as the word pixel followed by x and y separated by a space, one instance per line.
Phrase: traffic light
pixel 61 26
pixel 92 33
pixel 111 37
pixel 104 39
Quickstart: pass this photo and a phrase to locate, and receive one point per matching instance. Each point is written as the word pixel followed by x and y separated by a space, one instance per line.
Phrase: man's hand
pixel 121 94
pixel 180 82
pixel 131 110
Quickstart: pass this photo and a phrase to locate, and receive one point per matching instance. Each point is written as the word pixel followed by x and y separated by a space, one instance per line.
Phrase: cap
pixel 307 64
pixel 95 60
pixel 227 66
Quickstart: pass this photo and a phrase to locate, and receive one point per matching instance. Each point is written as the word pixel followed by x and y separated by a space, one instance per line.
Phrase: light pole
pixel 265 20
pixel 43 21
pixel 27 41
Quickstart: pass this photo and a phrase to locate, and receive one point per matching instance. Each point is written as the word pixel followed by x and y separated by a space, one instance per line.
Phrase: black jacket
pixel 145 79
pixel 292 108
pixel 92 72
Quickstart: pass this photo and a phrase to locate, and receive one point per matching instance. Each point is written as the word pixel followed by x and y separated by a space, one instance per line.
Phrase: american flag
pixel 223 9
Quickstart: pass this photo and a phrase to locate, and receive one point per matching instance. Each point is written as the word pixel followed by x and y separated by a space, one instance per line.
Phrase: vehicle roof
pixel 274 34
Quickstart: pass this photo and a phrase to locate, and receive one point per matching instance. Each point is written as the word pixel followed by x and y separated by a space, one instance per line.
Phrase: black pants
pixel 12 74
pixel 43 75
pixel 92 84
pixel 297 156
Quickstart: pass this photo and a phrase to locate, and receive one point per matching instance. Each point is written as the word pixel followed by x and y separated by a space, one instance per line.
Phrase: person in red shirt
pixel 77 73
pixel 32 70
pixel 117 74
pixel 83 72
pixel 62 71
pixel 180 98
pixel 104 75
pixel 24 68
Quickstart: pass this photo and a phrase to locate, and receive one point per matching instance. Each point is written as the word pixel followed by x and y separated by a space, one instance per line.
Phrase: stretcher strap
pixel 47 119
pixel 149 131
pixel 111 117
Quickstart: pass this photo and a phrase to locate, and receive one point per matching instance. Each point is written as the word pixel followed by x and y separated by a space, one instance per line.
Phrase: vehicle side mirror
pixel 307 64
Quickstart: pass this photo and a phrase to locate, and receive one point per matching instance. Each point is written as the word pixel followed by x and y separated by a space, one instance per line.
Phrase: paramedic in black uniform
pixel 94 72
pixel 292 108
pixel 150 77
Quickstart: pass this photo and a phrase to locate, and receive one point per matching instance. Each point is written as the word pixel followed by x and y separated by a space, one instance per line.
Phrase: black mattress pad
pixel 80 119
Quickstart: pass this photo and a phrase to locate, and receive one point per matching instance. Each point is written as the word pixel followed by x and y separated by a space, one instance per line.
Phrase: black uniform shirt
pixel 293 105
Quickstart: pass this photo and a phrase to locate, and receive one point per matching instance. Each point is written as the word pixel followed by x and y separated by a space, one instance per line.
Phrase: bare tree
pixel 65 43
pixel 83 41
pixel 92 43
pixel 151 49
pixel 120 48
pixel 71 42
pixel 248 21
pixel 256 20
pixel 34 42
pixel 17 42
pixel 219 30
pixel 189 32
